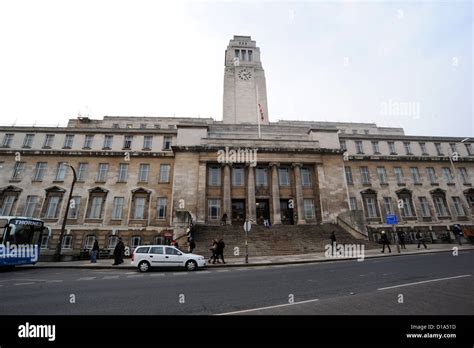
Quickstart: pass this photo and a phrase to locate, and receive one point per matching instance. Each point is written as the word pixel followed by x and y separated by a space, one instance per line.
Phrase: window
pixel 17 173
pixel 172 251
pixel 308 205
pixel 28 141
pixel 343 145
pixel 354 131
pixel 127 141
pixel 40 169
pixel 112 242
pixel 7 205
pixel 74 205
pixel 468 149
pixel 139 211
pixel 407 146
pixel 157 126
pixel 214 206
pixel 262 177
pixel 143 172
pixel 161 207
pixel 89 242
pixel 431 175
pixel 214 178
pixel 7 140
pixel 382 175
pixel 238 176
pixel 305 177
pixel 96 207
pixel 348 172
pixel 425 209
pixel 67 242
pixel 108 139
pixel 82 171
pixel 237 53
pixel 165 173
pixel 283 176
pixel 464 175
pixel 117 208
pixel 371 207
pixel 353 203
pixel 123 172
pixel 102 173
pixel 157 250
pixel 129 125
pixel 453 147
pixel 68 141
pixel 159 240
pixel 458 207
pixel 388 206
pixel 375 147
pixel 30 206
pixel 398 175
pixel 135 242
pixel 448 176
pixel 60 172
pixel 364 175
pixel 359 147
pixel 52 205
pixel 167 143
pixel 439 150
pixel 391 148
pixel 147 142
pixel 142 125
pixel 44 241
pixel 48 141
pixel 440 206
pixel 88 141
pixel 142 250
pixel 407 210
pixel 415 174
pixel 115 125
pixel 244 54
pixel 250 55
pixel 423 148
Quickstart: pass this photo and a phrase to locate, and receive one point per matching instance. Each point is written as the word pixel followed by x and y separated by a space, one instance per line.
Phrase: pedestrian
pixel 94 252
pixel 401 239
pixel 213 249
pixel 385 242
pixel 419 238
pixel 175 244
pixel 118 252
pixel 224 219
pixel 191 246
pixel 266 222
pixel 333 241
pixel 458 233
pixel 220 250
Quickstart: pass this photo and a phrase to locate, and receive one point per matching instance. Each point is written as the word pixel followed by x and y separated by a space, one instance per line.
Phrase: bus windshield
pixel 21 231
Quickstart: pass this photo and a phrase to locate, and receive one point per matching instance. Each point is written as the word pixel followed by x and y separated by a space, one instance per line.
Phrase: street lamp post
pixel 57 255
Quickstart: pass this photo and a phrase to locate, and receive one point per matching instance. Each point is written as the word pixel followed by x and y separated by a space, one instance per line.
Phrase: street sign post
pixel 247 227
pixel 391 219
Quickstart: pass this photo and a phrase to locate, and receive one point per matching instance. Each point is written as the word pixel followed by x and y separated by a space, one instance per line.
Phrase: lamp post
pixel 57 255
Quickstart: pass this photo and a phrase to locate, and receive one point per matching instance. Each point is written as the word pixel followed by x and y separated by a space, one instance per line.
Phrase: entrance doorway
pixel 263 210
pixel 238 211
pixel 286 212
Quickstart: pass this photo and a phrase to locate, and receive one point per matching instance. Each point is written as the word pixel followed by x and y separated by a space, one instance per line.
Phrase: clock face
pixel 245 75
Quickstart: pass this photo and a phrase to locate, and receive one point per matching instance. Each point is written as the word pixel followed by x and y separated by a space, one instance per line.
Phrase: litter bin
pixel 84 254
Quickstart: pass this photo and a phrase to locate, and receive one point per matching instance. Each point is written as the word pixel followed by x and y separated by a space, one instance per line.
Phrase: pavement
pixel 267 260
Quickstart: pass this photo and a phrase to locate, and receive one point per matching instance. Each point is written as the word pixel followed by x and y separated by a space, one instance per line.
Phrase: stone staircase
pixel 277 240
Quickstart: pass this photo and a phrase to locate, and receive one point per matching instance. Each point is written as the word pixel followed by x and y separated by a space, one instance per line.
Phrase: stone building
pixel 146 178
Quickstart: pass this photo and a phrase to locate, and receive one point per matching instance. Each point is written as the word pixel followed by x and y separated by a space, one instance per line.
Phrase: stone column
pixel 227 194
pixel 201 194
pixel 276 216
pixel 251 203
pixel 299 193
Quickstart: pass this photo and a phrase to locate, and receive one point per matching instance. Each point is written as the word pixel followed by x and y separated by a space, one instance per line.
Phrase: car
pixel 148 256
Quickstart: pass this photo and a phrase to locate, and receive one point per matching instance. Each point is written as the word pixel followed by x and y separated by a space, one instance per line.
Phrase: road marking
pixel 23 283
pixel 111 277
pixel 178 273
pixel 135 276
pixel 130 272
pixel 269 307
pixel 157 274
pixel 222 270
pixel 425 281
pixel 87 278
pixel 202 272
pixel 54 281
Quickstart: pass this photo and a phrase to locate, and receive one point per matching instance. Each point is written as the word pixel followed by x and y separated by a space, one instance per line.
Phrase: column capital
pixel 273 164
pixel 299 164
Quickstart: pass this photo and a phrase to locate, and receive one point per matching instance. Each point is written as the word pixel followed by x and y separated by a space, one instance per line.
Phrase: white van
pixel 148 256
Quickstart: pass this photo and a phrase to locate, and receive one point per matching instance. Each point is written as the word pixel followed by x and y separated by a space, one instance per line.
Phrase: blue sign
pixel 391 220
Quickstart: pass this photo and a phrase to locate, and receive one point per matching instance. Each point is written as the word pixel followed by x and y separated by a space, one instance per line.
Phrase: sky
pixel 399 64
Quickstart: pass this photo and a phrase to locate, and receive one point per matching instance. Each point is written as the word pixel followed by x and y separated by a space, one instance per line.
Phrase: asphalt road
pixel 374 286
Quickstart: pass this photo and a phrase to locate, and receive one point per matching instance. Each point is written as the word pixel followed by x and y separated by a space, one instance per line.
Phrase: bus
pixel 20 240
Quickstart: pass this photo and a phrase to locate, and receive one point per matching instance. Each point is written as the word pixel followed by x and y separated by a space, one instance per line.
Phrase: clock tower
pixel 245 91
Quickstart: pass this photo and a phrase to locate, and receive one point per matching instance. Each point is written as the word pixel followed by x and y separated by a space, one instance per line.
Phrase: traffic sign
pixel 247 226
pixel 391 219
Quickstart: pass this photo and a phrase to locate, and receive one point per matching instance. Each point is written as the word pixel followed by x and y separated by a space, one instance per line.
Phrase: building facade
pixel 146 178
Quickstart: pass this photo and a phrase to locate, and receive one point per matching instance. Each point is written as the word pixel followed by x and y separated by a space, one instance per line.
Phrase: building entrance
pixel 286 212
pixel 238 211
pixel 263 210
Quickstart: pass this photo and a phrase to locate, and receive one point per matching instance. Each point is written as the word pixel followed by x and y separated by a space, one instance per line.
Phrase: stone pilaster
pixel 276 216
pixel 201 194
pixel 299 193
pixel 251 203
pixel 227 194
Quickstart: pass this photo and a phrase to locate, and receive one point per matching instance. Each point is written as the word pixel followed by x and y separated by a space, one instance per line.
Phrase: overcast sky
pixel 323 60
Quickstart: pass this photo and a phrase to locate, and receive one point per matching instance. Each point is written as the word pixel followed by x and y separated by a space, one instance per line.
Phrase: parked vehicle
pixel 149 256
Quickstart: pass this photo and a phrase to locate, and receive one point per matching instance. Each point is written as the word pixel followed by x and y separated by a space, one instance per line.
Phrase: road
pixel 433 284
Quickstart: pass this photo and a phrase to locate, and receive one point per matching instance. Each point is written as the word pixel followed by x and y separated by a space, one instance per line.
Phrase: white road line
pixel 54 281
pixel 157 274
pixel 178 273
pixel 202 272
pixel 269 307
pixel 87 278
pixel 425 281
pixel 222 270
pixel 23 283
pixel 130 272
pixel 135 276
pixel 111 277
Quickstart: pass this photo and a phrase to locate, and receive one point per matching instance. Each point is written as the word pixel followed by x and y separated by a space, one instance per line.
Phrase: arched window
pixel 159 240
pixel 89 241
pixel 369 199
pixel 8 197
pixel 440 204
pixel 407 210
pixel 112 242
pixel 52 202
pixel 140 203
pixel 135 241
pixel 95 207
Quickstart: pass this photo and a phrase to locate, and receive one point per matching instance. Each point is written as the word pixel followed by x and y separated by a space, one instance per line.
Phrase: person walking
pixel 385 242
pixel 458 233
pixel 95 251
pixel 333 242
pixel 118 252
pixel 419 238
pixel 224 219
pixel 401 239
pixel 213 249
pixel 191 245
pixel 220 250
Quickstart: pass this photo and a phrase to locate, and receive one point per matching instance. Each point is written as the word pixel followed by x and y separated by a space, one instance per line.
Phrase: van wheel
pixel 143 266
pixel 191 265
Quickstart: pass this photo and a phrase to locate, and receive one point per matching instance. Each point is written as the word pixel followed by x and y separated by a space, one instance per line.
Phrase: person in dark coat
pixel 118 252
pixel 191 245
pixel 401 239
pixel 458 233
pixel 220 250
pixel 333 242
pixel 95 251
pixel 419 238
pixel 385 242
pixel 214 252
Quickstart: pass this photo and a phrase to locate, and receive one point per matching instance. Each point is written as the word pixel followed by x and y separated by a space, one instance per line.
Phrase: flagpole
pixel 258 114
